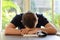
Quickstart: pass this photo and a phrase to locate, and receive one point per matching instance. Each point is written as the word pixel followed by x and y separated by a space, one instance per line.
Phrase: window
pixel 49 8
pixel 57 13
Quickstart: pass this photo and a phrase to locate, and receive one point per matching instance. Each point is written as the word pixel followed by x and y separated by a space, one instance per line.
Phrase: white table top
pixel 49 37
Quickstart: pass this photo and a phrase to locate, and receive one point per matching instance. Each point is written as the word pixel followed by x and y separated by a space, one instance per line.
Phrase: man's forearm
pixel 49 30
pixel 12 31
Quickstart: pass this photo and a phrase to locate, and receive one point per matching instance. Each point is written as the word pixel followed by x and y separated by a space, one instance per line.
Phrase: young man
pixel 29 23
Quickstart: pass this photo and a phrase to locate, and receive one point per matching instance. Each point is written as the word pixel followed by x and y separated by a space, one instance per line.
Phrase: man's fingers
pixel 24 31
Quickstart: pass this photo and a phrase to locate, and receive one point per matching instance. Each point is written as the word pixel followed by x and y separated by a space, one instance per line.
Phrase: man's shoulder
pixel 39 15
pixel 20 15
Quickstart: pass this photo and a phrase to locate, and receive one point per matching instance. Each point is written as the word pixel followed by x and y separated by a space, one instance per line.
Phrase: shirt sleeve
pixel 16 20
pixel 43 21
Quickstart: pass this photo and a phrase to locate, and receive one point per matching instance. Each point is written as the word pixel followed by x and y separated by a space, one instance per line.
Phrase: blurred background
pixel 49 8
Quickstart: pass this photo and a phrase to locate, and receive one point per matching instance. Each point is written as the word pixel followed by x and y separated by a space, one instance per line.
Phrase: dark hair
pixel 29 19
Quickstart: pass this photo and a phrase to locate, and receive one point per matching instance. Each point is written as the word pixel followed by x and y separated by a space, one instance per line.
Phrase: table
pixel 49 37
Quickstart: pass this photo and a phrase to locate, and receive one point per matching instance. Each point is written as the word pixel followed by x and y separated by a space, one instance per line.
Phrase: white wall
pixel 0 18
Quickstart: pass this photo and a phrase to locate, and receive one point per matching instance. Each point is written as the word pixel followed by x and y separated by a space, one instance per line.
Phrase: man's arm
pixel 49 29
pixel 11 29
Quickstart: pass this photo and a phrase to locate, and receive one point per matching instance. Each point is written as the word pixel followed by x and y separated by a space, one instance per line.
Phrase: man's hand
pixel 24 31
pixel 34 31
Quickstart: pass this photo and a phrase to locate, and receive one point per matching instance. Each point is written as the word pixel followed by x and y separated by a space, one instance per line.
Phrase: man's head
pixel 29 20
